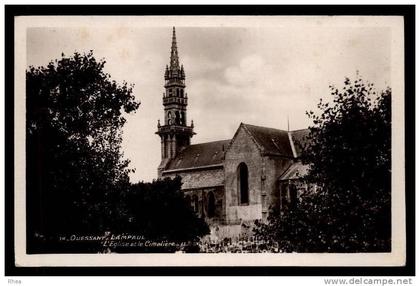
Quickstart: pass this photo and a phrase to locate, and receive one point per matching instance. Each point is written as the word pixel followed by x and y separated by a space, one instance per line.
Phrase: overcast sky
pixel 257 75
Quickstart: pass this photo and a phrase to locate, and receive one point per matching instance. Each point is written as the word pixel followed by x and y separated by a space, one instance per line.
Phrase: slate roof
pixel 295 171
pixel 272 141
pixel 198 155
pixel 200 180
pixel 299 137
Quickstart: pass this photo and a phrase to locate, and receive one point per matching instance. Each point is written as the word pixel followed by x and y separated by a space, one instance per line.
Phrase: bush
pixel 348 150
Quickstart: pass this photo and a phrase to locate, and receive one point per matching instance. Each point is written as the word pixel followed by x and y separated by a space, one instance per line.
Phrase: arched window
pixel 169 118
pixel 243 184
pixel 182 118
pixel 211 204
pixel 177 118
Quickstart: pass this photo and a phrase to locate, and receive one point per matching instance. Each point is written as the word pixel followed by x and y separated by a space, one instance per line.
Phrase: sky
pixel 256 74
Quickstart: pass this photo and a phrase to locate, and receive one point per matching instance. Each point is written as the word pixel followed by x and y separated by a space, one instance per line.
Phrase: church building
pixel 230 183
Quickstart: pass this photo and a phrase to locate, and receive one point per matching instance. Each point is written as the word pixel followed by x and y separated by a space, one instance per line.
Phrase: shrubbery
pixel 349 154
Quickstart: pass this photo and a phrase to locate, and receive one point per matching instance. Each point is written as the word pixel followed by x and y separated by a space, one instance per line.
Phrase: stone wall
pixel 231 218
pixel 263 174
pixel 243 149
pixel 202 203
pixel 274 167
pixel 301 187
pixel 197 185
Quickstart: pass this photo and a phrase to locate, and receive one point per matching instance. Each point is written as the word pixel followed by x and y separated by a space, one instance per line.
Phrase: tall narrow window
pixel 195 203
pixel 292 196
pixel 182 117
pixel 243 183
pixel 211 204
pixel 177 118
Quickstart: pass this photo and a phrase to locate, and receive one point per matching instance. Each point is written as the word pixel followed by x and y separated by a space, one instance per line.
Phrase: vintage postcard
pixel 209 141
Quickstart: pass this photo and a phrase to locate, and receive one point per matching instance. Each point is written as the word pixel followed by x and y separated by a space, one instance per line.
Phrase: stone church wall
pixel 197 184
pixel 274 167
pixel 201 206
pixel 243 149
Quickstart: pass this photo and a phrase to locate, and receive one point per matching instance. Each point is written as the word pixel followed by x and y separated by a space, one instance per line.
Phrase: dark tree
pixel 348 150
pixel 75 167
pixel 159 212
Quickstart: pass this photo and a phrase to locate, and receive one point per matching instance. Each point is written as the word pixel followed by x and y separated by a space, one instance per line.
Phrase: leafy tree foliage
pixel 77 178
pixel 348 150
pixel 75 167
pixel 159 212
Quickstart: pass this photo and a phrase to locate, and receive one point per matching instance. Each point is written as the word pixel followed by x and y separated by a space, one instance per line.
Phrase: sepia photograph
pixel 209 141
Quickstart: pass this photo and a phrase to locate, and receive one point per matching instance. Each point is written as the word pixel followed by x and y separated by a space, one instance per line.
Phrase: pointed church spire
pixel 174 132
pixel 174 53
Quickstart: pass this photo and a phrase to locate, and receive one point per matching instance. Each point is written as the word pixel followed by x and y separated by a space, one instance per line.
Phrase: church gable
pixel 243 165
pixel 275 142
pixel 271 141
pixel 242 143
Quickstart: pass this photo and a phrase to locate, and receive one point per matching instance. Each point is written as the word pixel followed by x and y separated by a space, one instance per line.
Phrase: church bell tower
pixel 174 132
